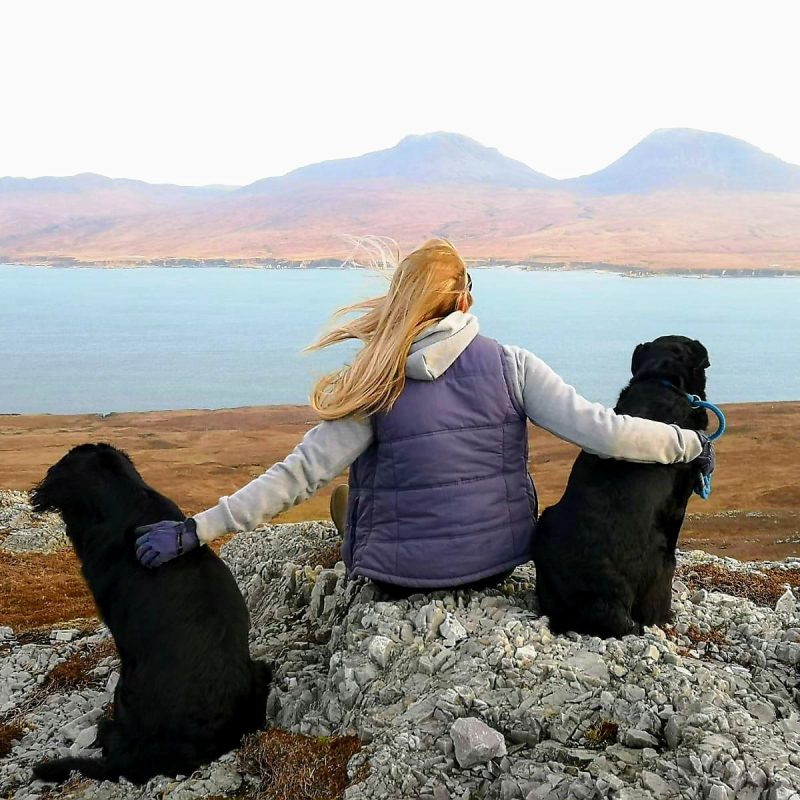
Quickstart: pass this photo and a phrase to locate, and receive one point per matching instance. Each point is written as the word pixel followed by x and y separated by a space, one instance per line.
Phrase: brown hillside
pixel 688 230
pixel 197 456
pixel 680 199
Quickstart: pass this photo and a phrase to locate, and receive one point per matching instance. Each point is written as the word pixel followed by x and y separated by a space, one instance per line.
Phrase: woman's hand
pixel 156 544
pixel 705 463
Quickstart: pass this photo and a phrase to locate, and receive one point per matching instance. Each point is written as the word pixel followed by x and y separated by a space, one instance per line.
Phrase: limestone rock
pixel 475 742
pixel 787 604
pixel 380 650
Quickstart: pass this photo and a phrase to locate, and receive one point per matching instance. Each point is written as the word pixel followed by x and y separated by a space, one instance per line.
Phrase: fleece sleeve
pixel 325 451
pixel 554 405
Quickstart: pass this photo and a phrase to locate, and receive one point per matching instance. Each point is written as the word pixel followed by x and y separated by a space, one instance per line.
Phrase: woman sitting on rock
pixel 431 418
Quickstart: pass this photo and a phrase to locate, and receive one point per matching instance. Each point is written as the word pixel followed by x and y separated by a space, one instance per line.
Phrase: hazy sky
pixel 229 92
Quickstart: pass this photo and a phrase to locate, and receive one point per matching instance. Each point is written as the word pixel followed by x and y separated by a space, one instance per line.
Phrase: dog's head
pixel 677 359
pixel 91 484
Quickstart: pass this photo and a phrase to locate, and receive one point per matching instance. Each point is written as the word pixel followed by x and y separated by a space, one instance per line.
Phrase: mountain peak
pixel 440 137
pixel 418 159
pixel 686 158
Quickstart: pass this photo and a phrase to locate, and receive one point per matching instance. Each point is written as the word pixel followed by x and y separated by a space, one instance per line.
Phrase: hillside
pixel 430 159
pixel 200 455
pixel 682 159
pixel 680 199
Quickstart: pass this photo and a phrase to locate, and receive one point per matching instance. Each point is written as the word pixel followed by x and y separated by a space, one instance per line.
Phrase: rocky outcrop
pixel 22 531
pixel 469 694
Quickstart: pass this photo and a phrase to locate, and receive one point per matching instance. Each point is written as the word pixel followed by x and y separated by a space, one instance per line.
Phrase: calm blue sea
pixel 92 340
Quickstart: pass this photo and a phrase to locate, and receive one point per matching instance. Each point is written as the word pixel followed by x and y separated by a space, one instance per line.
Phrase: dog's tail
pixel 57 770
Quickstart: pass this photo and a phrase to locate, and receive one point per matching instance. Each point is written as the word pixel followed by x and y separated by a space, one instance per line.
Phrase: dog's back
pixel 605 553
pixel 190 688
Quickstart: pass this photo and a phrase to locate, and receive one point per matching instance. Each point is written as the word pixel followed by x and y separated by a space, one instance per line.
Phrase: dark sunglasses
pixel 469 282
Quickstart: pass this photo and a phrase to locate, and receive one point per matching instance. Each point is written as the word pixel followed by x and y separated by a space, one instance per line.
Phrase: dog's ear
pixel 639 357
pixel 39 500
pixel 43 498
pixel 55 492
pixel 700 355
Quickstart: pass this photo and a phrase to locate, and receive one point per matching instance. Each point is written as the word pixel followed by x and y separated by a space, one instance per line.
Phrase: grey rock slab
pixel 788 653
pixel 763 712
pixel 588 664
pixel 655 784
pixel 380 650
pixel 787 603
pixel 636 738
pixel 474 742
pixel 451 630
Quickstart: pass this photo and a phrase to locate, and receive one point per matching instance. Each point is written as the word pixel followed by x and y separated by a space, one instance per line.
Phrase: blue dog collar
pixel 697 402
pixel 704 491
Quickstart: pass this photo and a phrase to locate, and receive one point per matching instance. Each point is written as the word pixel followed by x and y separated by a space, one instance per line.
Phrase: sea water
pixel 103 340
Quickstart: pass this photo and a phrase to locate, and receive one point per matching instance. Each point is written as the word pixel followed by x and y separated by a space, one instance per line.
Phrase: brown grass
pixel 327 557
pixel 296 767
pixel 74 673
pixel 66 789
pixel 601 734
pixel 8 733
pixel 700 639
pixel 41 590
pixel 763 588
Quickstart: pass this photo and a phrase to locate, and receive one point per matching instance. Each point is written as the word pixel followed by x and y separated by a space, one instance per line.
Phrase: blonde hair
pixel 426 286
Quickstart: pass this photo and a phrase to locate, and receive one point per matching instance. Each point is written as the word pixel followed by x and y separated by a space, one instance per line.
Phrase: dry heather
pixel 601 734
pixel 8 733
pixel 326 557
pixel 75 673
pixel 296 767
pixel 41 590
pixel 763 587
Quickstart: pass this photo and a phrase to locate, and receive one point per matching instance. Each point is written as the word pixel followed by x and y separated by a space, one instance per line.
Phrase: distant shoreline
pixel 624 270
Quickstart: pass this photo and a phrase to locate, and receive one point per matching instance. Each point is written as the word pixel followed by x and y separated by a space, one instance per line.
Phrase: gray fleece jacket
pixel 549 402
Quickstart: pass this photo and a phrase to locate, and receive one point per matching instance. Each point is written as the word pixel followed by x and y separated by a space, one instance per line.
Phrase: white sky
pixel 229 92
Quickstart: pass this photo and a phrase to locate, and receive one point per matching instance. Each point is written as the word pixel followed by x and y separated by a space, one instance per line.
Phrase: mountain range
pixel 679 199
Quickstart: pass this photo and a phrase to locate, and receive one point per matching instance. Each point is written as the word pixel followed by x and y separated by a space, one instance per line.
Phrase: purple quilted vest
pixel 442 496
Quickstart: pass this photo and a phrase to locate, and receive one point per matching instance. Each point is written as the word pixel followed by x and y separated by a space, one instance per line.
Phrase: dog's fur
pixel 605 553
pixel 188 689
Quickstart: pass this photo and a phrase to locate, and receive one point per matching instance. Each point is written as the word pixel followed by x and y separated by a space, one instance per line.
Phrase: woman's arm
pixel 554 405
pixel 325 451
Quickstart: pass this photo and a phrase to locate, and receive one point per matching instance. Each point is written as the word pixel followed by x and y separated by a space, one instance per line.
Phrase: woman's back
pixel 442 496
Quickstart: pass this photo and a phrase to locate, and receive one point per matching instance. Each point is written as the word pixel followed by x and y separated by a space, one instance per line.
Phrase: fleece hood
pixel 439 345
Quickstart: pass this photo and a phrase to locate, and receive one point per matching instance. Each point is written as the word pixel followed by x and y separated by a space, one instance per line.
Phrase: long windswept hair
pixel 426 286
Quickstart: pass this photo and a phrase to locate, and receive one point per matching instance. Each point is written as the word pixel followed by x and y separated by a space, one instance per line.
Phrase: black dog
pixel 188 690
pixel 605 553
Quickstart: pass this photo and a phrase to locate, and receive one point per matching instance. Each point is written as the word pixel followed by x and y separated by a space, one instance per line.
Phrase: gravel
pixel 468 695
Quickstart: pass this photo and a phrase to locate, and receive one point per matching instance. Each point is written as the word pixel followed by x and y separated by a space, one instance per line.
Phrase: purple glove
pixel 156 544
pixel 705 464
